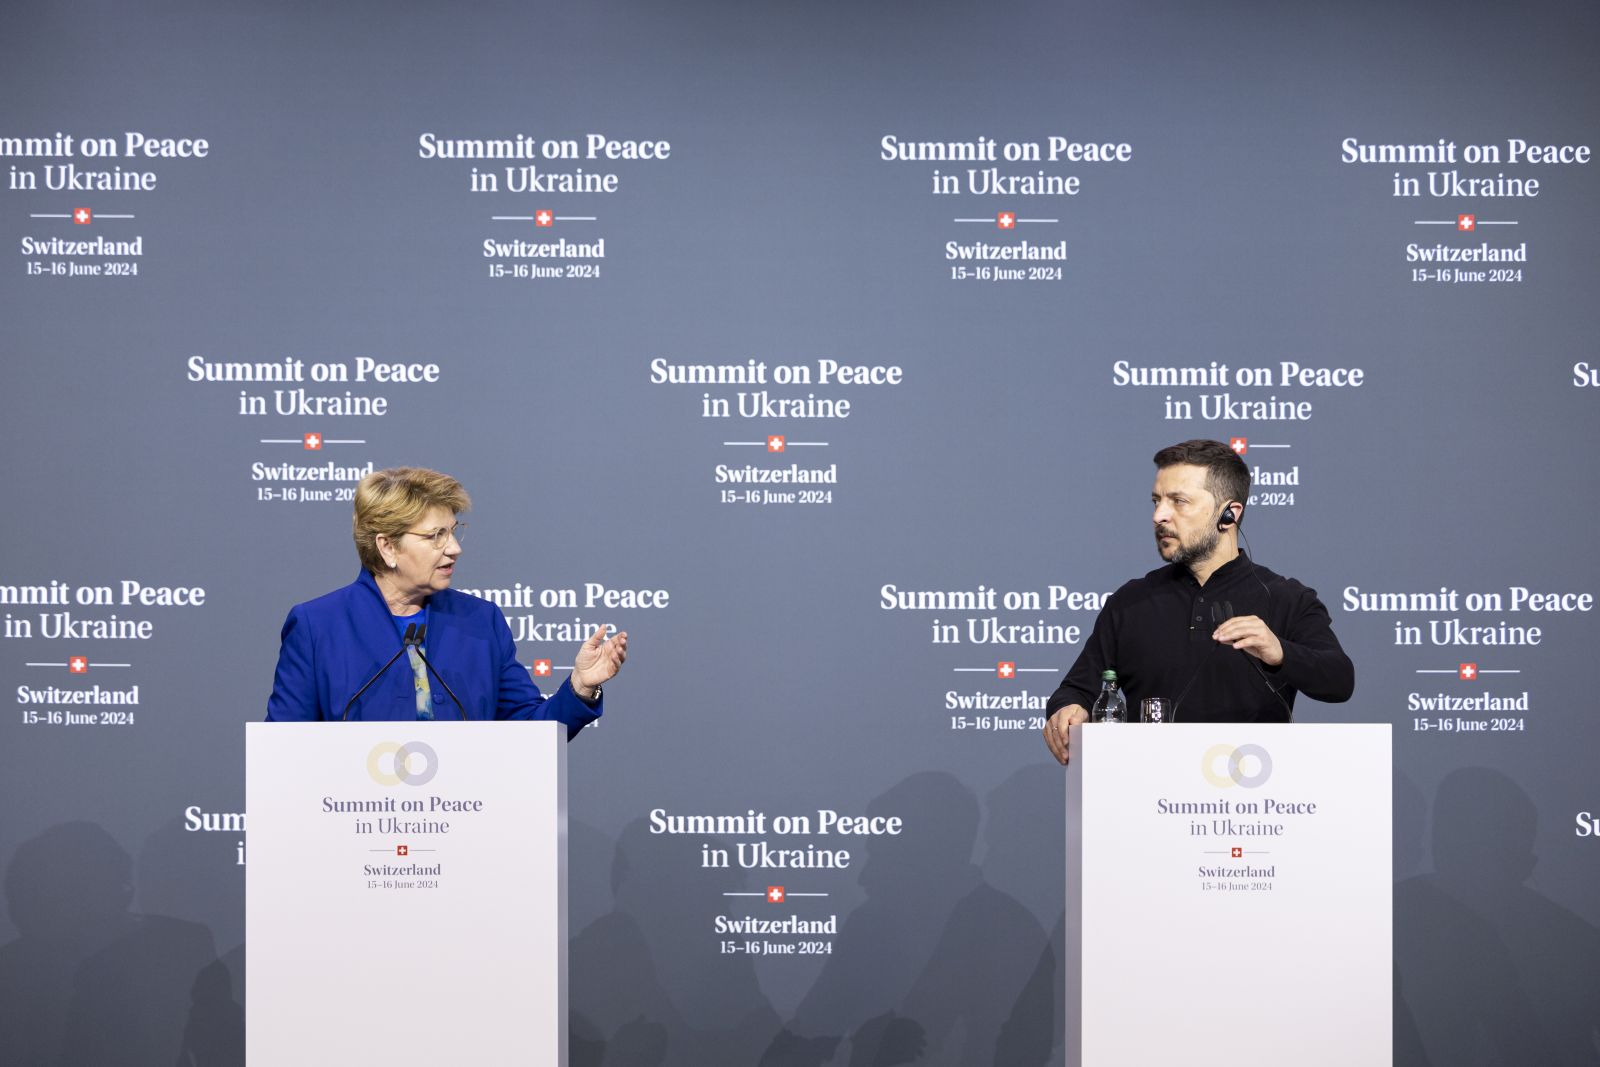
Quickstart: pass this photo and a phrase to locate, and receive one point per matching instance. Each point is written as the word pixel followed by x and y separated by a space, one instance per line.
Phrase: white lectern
pixel 405 894
pixel 1229 895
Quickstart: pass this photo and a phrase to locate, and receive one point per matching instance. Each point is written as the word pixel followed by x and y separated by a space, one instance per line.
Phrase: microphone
pixel 1220 613
pixel 411 636
pixel 422 632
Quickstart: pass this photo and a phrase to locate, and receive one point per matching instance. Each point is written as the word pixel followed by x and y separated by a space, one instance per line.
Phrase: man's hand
pixel 1055 729
pixel 597 662
pixel 1249 634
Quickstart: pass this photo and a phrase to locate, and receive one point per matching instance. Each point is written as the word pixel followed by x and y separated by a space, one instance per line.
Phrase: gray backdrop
pixel 781 676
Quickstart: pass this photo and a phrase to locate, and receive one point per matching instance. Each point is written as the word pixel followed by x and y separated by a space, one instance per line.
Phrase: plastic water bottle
pixel 1110 705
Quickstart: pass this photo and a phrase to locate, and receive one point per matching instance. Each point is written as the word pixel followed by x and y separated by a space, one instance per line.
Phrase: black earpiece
pixel 1227 518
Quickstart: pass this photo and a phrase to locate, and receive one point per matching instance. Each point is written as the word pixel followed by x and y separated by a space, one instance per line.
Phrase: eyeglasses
pixel 441 537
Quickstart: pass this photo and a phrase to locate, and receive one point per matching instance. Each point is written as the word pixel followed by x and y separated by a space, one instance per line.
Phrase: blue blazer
pixel 332 645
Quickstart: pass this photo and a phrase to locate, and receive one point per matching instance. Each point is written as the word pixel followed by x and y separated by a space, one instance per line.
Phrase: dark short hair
pixel 1227 478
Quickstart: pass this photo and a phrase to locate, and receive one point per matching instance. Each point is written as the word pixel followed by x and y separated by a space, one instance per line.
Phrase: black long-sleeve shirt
pixel 1155 632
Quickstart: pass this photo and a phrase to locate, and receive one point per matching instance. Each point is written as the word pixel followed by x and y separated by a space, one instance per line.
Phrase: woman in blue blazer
pixel 408 539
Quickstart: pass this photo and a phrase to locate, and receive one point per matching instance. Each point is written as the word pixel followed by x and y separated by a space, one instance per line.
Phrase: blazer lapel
pixel 444 633
pixel 379 640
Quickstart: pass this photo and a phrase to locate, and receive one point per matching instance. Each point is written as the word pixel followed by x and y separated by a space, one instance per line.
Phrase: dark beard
pixel 1200 551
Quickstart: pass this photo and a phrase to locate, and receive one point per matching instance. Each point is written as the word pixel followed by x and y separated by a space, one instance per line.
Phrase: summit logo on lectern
pixel 398 759
pixel 1248 766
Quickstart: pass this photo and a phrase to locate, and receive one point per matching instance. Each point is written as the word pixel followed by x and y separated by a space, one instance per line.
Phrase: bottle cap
pixel 1108 676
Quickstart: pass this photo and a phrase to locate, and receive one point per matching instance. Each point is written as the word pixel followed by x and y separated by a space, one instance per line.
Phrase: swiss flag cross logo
pixel 541 668
pixel 1467 671
pixel 776 443
pixel 82 216
pixel 1005 669
pixel 1006 220
pixel 1238 853
pixel 1240 445
pixel 402 850
pixel 312 442
pixel 775 894
pixel 544 218
pixel 1466 223
pixel 78 664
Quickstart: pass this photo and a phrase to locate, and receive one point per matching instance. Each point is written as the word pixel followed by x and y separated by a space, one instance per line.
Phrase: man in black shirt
pixel 1169 634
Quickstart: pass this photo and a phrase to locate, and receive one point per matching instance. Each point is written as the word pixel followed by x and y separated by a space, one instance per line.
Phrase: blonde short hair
pixel 389 501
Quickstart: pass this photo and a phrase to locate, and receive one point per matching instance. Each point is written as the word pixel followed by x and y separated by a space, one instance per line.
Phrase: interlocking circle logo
pixel 403 765
pixel 1241 770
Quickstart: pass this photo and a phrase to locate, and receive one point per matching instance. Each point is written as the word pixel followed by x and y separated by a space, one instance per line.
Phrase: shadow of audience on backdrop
pixel 1493 971
pixel 214 1036
pixel 648 986
pixel 1025 813
pixel 926 969
pixel 87 981
pixel 1408 846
